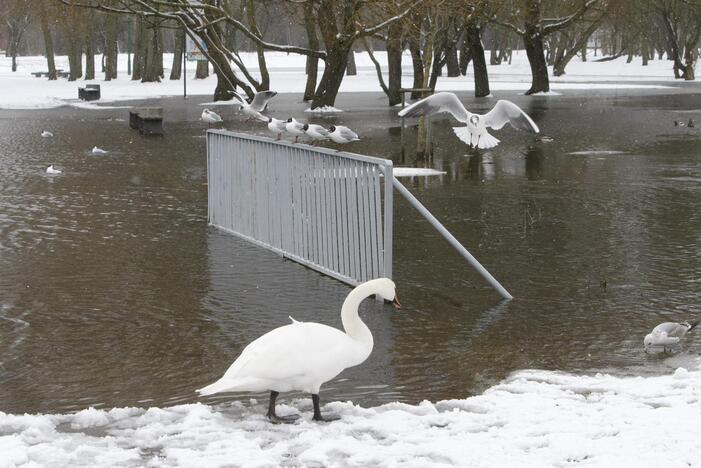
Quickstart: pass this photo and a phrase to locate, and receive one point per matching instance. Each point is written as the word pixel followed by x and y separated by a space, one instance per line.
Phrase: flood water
pixel 115 292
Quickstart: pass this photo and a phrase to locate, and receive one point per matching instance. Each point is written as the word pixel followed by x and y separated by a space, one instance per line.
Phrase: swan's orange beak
pixel 396 303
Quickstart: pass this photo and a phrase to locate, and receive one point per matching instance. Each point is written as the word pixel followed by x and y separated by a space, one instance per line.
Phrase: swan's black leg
pixel 317 412
pixel 274 418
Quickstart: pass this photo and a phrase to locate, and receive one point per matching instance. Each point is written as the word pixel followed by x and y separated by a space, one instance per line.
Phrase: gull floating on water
pixel 211 117
pixel 47 134
pixel 96 150
pixel 257 105
pixel 667 335
pixel 295 128
pixel 316 132
pixel 277 126
pixel 341 134
pixel 51 170
pixel 474 133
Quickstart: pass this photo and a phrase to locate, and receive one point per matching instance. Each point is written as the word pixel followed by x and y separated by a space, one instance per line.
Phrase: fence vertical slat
pixel 377 241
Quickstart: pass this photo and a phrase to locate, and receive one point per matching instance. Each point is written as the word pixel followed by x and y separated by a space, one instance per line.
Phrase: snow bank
pixel 20 90
pixel 323 110
pixel 532 419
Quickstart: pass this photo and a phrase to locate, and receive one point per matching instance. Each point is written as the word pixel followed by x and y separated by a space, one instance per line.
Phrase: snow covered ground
pixel 532 419
pixel 20 90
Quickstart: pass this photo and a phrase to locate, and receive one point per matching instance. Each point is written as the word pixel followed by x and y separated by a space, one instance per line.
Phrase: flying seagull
pixel 474 133
pixel 47 134
pixel 52 170
pixel 257 105
pixel 341 134
pixel 97 150
pixel 667 335
pixel 211 117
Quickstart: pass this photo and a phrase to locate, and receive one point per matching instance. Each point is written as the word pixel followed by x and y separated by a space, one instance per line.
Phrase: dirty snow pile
pixel 532 419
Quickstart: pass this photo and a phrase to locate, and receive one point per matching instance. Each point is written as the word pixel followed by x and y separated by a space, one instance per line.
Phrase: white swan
pixel 303 355
pixel 474 133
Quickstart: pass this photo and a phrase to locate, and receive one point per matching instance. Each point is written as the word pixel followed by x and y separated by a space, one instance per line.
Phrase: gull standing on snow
pixel 47 134
pixel 97 150
pixel 51 170
pixel 211 117
pixel 295 128
pixel 277 126
pixel 667 335
pixel 341 134
pixel 474 133
pixel 257 105
pixel 316 132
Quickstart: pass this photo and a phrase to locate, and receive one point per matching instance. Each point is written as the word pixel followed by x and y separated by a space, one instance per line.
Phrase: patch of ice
pixel 415 171
pixel 596 152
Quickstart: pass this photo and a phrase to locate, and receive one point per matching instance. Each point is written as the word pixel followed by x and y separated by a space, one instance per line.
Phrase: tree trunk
pixel 533 42
pixel 417 63
pixel 351 69
pixel 690 58
pixel 465 55
pixel 262 65
pixel 151 69
pixel 493 55
pixel 111 48
pixel 89 55
pixel 581 44
pixel 479 63
pixel 312 68
pixel 176 67
pixel 202 70
pixel 394 63
pixel 48 41
pixel 451 59
pixel 139 49
pixel 336 62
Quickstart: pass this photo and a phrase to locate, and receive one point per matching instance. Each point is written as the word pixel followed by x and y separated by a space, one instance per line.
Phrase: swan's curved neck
pixel 354 327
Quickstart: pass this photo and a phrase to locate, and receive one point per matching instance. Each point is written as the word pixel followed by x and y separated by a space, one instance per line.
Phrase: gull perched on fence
pixel 257 105
pixel 667 335
pixel 277 126
pixel 316 132
pixel 474 133
pixel 341 134
pixel 294 128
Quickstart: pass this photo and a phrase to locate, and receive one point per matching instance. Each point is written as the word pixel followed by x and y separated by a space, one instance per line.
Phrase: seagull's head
pixel 289 120
pixel 270 119
pixel 305 127
pixel 474 120
pixel 647 342
pixel 332 128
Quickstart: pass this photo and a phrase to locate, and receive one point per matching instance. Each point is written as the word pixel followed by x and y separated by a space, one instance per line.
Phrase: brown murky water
pixel 115 292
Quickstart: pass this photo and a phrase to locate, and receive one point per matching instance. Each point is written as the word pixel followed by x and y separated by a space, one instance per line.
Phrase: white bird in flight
pixel 295 128
pixel 341 134
pixel 474 133
pixel 257 105
pixel 211 117
pixel 47 134
pixel 97 150
pixel 51 170
pixel 277 126
pixel 667 335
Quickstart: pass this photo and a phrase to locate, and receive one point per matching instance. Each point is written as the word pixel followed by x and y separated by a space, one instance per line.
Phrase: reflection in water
pixel 115 292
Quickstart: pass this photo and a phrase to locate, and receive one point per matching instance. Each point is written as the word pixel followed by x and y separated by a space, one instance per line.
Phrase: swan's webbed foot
pixel 273 417
pixel 317 412
pixel 289 419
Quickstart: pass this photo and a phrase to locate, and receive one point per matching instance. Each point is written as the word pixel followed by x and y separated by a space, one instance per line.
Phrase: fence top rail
pixel 358 157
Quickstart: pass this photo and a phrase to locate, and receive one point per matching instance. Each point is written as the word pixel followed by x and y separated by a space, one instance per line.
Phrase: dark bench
pixel 147 120
pixel 91 92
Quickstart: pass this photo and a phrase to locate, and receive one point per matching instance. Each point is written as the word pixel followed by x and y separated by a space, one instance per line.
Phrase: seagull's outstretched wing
pixel 507 112
pixel 439 102
pixel 238 97
pixel 260 100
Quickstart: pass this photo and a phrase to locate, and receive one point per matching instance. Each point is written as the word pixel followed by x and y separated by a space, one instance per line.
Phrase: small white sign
pixel 193 52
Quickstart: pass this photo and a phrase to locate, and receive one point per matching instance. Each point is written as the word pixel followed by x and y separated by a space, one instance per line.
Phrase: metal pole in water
pixel 452 240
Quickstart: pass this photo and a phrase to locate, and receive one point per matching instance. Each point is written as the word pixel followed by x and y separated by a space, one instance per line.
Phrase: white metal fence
pixel 325 209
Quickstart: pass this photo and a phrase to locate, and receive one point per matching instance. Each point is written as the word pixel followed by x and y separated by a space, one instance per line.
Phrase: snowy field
pixel 532 419
pixel 20 90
